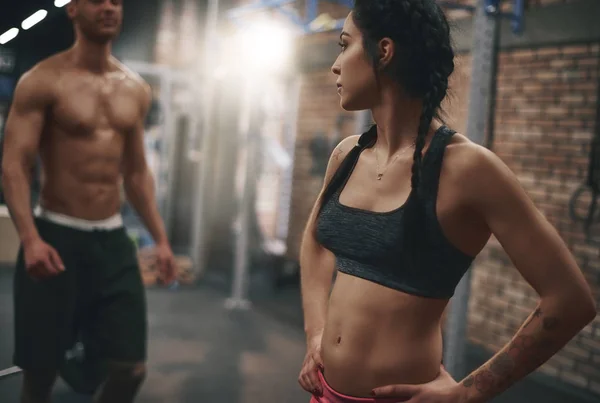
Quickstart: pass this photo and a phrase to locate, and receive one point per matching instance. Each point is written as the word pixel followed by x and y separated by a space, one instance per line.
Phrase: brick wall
pixel 506 6
pixel 544 124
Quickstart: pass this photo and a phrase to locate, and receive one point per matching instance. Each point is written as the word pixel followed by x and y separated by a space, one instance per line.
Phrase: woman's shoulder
pixel 343 148
pixel 464 154
pixel 338 154
pixel 473 167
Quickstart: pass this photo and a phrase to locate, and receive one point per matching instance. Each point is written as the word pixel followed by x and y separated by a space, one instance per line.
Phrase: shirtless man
pixel 77 273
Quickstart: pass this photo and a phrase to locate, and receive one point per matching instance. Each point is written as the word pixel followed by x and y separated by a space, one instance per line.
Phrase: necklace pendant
pixel 379 176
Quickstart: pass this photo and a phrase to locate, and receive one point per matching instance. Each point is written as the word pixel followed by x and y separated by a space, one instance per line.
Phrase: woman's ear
pixel 387 49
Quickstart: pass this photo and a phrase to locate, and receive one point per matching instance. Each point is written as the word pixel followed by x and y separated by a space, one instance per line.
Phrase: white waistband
pixel 110 223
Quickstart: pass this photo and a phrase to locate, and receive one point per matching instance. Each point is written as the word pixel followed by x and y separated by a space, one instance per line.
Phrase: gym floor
pixel 200 351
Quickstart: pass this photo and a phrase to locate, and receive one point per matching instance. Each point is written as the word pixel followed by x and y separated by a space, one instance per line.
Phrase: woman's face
pixel 357 84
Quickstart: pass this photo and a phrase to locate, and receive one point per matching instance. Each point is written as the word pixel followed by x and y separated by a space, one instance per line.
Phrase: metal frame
pixel 167 79
pixel 485 37
pixel 491 7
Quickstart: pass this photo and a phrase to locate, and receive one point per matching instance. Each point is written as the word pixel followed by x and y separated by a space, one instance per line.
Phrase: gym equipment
pixel 83 374
pixel 592 184
pixel 236 14
pixel 5 373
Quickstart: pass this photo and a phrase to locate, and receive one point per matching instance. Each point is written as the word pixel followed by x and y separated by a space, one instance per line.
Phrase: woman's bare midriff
pixel 378 336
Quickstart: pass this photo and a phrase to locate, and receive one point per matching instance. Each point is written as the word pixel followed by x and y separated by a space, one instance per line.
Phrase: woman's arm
pixel 317 264
pixel 566 303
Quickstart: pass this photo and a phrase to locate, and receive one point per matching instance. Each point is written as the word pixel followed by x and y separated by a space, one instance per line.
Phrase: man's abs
pixel 377 336
pixel 81 179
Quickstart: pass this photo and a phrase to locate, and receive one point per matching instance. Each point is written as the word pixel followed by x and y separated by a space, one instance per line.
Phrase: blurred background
pixel 244 117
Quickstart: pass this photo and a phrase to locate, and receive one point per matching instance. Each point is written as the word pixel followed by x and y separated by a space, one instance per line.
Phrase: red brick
pixel 573 99
pixel 549 369
pixel 562 63
pixel 557 111
pixel 585 86
pixel 546 75
pixel 562 361
pixel 549 52
pixel 523 55
pixel 584 113
pixel 576 352
pixel 575 50
pixel 574 378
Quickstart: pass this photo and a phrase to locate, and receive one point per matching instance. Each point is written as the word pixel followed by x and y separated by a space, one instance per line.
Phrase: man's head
pixel 96 20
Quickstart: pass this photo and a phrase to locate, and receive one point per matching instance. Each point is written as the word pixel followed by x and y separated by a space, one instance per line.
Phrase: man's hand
pixel 42 260
pixel 166 263
pixel 443 389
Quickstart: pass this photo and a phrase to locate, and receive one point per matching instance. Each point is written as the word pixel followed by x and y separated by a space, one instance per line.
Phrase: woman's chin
pixel 350 106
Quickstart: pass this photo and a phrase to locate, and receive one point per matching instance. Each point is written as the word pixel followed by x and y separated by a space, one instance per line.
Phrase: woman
pixel 403 230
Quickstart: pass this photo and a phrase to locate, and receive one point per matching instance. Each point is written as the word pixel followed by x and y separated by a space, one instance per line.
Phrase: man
pixel 77 275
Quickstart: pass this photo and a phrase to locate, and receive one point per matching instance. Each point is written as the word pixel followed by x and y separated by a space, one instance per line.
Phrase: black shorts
pixel 98 300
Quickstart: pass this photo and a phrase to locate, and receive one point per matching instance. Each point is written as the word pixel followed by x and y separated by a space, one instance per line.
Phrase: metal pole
pixel 250 129
pixel 485 26
pixel 362 121
pixel 289 143
pixel 199 229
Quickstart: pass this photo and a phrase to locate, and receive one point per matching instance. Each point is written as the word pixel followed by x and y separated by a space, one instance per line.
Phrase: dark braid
pixel 423 62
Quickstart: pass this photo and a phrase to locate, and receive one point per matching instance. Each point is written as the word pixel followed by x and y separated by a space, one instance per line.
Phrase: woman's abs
pixel 377 336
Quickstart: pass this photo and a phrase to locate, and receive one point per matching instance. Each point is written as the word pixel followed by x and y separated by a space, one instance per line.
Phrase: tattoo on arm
pixel 522 355
pixel 536 314
pixel 337 153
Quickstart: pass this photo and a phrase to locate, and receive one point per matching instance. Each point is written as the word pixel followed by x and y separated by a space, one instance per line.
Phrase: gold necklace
pixel 379 173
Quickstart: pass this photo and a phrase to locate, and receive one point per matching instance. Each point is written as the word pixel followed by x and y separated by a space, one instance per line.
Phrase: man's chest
pixel 86 107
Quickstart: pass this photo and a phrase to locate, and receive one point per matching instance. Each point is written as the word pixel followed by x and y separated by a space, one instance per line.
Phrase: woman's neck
pixel 397 117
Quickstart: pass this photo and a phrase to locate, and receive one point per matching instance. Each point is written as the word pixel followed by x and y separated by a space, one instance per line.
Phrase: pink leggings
pixel 331 396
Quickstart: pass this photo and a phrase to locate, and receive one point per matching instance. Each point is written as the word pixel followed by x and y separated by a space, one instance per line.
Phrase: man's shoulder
pixel 134 79
pixel 49 68
pixel 40 79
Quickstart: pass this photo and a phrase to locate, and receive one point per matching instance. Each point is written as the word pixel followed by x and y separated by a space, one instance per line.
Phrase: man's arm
pixel 137 178
pixel 539 254
pixel 23 130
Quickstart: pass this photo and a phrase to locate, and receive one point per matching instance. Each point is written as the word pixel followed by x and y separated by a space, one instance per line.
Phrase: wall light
pixel 9 35
pixel 61 3
pixel 264 47
pixel 34 19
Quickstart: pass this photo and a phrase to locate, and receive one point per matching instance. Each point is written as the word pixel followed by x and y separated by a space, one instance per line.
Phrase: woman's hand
pixel 443 389
pixel 309 374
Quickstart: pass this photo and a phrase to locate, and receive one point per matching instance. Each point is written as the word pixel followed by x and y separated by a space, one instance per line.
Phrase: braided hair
pixel 423 61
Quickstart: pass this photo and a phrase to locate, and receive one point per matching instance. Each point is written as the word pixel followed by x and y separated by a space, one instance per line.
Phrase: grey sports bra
pixel 369 244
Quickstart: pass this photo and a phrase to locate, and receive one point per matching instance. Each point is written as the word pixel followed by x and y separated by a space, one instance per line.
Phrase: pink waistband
pixel 331 396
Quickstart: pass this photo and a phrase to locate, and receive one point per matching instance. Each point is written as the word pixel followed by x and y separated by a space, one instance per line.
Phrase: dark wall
pixel 140 25
pixel 55 33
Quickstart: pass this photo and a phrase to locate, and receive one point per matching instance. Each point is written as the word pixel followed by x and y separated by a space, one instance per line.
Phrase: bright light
pixel 34 19
pixel 61 3
pixel 265 46
pixel 9 35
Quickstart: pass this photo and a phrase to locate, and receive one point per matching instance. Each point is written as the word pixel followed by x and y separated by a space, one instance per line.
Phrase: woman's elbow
pixel 581 306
